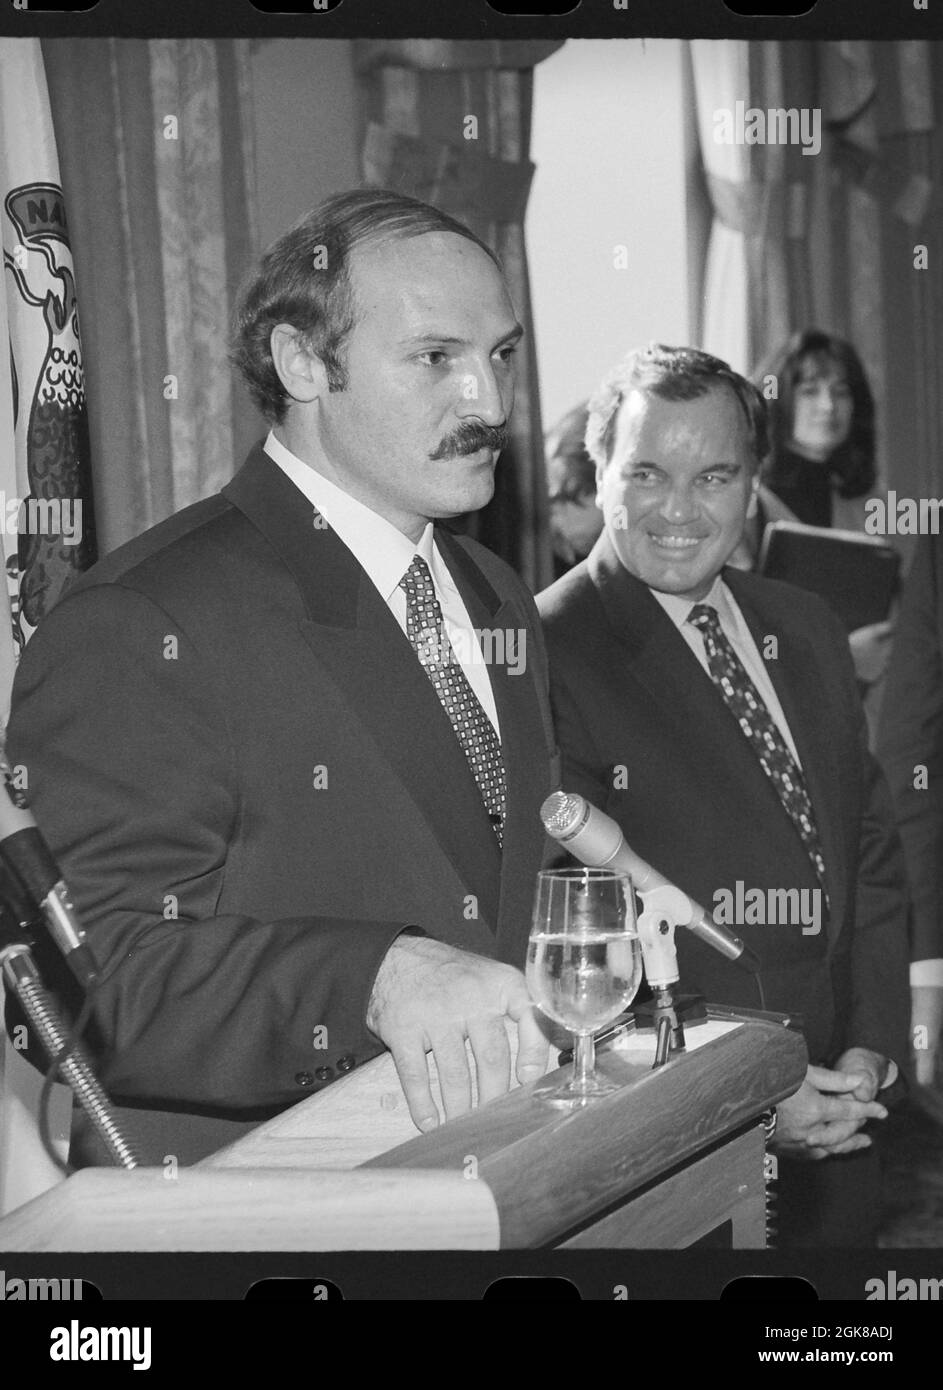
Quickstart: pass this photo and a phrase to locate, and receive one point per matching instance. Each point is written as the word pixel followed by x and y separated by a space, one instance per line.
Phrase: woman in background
pixel 821 462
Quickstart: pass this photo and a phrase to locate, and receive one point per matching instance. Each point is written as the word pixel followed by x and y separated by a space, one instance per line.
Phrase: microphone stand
pixel 23 980
pixel 666 908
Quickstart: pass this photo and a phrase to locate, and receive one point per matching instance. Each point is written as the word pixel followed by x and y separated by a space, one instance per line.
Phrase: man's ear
pixel 754 495
pixel 300 371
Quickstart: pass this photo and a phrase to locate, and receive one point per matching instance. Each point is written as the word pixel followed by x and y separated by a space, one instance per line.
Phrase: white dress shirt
pixel 386 554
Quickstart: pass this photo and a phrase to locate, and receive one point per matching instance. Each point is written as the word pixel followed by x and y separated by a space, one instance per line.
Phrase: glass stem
pixel 584 1061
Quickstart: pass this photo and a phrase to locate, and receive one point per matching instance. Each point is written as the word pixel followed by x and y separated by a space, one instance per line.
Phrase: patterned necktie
pixel 474 730
pixel 747 705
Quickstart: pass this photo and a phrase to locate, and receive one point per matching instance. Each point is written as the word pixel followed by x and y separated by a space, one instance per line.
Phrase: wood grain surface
pixel 207 1209
pixel 670 1153
pixel 549 1171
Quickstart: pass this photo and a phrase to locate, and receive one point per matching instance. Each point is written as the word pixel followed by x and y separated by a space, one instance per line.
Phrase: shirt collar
pixel 679 608
pixel 382 550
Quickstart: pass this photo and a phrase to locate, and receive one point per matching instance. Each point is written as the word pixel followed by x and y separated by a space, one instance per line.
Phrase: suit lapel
pixel 369 660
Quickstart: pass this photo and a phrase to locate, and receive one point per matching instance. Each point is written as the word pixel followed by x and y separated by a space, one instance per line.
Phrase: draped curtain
pixel 418 96
pixel 757 281
pixel 155 146
pixel 163 229
pixel 886 166
pixel 829 240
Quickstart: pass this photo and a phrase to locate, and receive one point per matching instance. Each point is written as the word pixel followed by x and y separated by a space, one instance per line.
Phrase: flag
pixel 47 528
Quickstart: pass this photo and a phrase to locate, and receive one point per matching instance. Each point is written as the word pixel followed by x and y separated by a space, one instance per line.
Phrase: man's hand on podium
pixel 430 997
pixel 824 1116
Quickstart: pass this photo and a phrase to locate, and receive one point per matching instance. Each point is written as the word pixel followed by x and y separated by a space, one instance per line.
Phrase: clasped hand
pixel 825 1116
pixel 430 997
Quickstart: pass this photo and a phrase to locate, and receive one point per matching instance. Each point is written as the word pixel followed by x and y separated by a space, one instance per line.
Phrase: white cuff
pixel 927 972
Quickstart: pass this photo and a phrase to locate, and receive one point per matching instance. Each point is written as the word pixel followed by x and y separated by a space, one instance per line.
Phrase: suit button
pixel 346 1063
pixel 304 1078
pixel 324 1073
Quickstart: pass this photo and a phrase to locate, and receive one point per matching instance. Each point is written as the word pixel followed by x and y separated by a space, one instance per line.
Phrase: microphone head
pixel 561 813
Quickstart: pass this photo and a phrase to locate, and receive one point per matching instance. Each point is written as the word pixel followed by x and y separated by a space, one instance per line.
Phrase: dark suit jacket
pixel 911 733
pixel 693 800
pixel 252 788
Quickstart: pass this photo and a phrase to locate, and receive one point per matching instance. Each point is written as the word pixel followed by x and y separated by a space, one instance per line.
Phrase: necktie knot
pixel 424 626
pixel 704 618
pixel 417 581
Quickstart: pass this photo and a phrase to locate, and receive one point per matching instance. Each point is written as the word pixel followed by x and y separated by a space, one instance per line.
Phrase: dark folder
pixel 855 573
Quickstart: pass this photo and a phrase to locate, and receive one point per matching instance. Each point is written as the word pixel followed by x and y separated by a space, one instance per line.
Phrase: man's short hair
pixel 303 280
pixel 674 374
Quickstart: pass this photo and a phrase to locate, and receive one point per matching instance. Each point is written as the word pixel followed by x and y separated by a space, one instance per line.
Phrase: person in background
pixel 724 763
pixel 821 464
pixel 575 519
pixel 910 746
pixel 575 516
pixel 821 460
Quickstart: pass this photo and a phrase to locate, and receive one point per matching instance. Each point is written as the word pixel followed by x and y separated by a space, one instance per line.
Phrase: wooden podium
pixel 675 1157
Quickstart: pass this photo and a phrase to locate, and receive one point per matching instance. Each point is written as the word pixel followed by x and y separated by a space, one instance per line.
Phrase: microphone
pixel 32 866
pixel 595 838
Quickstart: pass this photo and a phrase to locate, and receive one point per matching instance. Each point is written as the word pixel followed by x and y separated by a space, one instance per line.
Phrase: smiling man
pixel 680 487
pixel 715 716
pixel 295 798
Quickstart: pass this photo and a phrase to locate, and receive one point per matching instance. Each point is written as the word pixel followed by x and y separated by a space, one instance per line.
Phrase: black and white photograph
pixel 471 654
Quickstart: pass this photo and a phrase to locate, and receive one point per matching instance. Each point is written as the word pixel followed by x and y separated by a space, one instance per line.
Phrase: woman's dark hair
pixel 852 464
pixel 303 280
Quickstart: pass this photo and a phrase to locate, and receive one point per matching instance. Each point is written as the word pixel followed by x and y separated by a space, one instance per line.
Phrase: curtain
pixel 719 72
pixel 417 97
pixel 886 166
pixel 162 228
pixel 757 281
pixel 831 241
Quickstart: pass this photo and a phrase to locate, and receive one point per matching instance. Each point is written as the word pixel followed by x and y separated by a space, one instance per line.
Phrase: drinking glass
pixel 584 964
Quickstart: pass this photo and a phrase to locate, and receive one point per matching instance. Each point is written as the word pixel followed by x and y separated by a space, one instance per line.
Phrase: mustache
pixel 469 437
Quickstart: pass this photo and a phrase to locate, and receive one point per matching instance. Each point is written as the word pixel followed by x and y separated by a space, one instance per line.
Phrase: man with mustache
pixel 715 716
pixel 298 811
